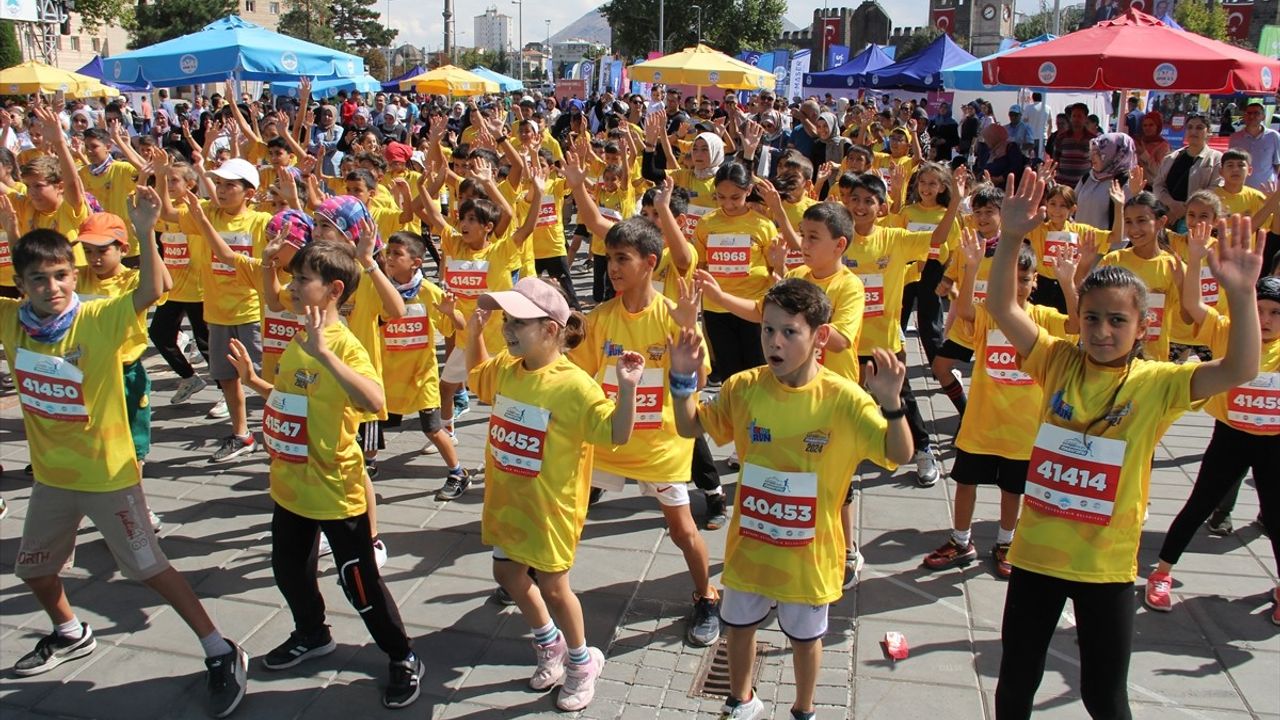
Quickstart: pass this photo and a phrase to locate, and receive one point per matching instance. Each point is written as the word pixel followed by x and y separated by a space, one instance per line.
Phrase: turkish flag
pixel 944 20
pixel 831 30
pixel 1238 16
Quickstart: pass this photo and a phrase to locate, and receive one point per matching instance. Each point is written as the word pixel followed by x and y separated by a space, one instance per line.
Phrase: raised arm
pixel 687 354
pixel 682 253
pixel 1197 250
pixel 1019 215
pixel 121 140
pixel 72 188
pixel 742 307
pixel 588 211
pixel 392 301
pixel 153 277
pixel 971 248
pixel 1236 265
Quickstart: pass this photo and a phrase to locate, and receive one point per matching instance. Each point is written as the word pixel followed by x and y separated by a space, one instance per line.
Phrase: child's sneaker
pixel 233 447
pixel 429 449
pixel 186 388
pixel 580 682
pixel 734 709
pixel 551 663
pixel 4 509
pixel 156 522
pixel 461 404
pixel 298 648
pixel 1275 606
pixel 454 485
pixel 805 715
pixel 1220 524
pixel 704 621
pixel 926 468
pixel 1000 553
pixel 1157 596
pixel 53 650
pixel 853 562
pixel 717 513
pixel 325 548
pixel 405 683
pixel 951 554
pixel 733 462
pixel 379 552
pixel 371 469
pixel 228 676
pixel 219 411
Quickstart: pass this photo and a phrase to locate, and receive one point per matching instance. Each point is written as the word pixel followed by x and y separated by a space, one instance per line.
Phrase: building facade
pixel 493 31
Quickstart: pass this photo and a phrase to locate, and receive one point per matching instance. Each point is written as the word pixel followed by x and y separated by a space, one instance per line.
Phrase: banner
pixel 566 89
pixel 1269 43
pixel 944 19
pixel 781 69
pixel 765 61
pixel 1239 14
pixel 795 79
pixel 751 57
pixel 831 31
pixel 837 55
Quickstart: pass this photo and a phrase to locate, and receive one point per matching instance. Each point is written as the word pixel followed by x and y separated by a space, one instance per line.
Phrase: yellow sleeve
pixel 717 416
pixel 483 378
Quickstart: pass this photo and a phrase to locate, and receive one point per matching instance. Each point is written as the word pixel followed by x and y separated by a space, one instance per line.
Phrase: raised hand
pixel 971 247
pixel 366 244
pixel 630 369
pixel 1067 261
pixel 1199 238
pixel 685 312
pixel 481 170
pixel 572 169
pixel 1137 181
pixel 883 376
pixel 475 323
pixel 707 283
pixel 1237 263
pixel 8 217
pixel 1020 212
pixel 144 209
pixel 686 352
pixel 448 303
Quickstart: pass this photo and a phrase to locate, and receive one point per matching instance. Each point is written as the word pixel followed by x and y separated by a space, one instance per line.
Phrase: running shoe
pixel 186 388
pixel 717 513
pixel 704 621
pixel 461 404
pixel 734 709
pixel 405 683
pixel 379 552
pixel 219 411
pixel 502 597
pixel 732 461
pixel 53 650
pixel 371 469
pixel 594 496
pixel 580 682
pixel 1220 524
pixel 325 548
pixel 551 664
pixel 233 447
pixel 454 485
pixel 1157 596
pixel 156 522
pixel 926 468
pixel 803 715
pixel 299 648
pixel 1000 554
pixel 228 677
pixel 951 554
pixel 853 562
pixel 4 509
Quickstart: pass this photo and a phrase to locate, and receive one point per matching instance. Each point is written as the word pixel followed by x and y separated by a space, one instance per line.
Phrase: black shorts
pixel 428 417
pixel 975 469
pixel 953 350
pixel 371 437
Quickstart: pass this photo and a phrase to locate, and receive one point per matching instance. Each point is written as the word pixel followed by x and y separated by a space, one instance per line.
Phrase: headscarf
pixel 295 224
pixel 1117 153
pixel 776 118
pixel 715 151
pixel 833 125
pixel 346 212
pixel 1155 117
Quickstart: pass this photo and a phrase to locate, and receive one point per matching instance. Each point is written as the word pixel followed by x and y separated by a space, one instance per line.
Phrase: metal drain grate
pixel 712 677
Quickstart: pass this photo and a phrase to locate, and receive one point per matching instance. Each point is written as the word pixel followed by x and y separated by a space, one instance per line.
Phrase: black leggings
pixel 601 285
pixel 921 295
pixel 735 344
pixel 703 472
pixel 1104 627
pixel 915 421
pixel 164 333
pixel 1230 454
pixel 294 555
pixel 558 268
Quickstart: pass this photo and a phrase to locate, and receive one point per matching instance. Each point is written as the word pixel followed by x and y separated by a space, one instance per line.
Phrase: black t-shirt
pixel 1179 173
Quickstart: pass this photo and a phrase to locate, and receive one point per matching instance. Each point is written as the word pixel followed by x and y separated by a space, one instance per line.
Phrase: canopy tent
pixel 702 66
pixel 1118 55
pixel 323 89
pixel 449 80
pixel 922 71
pixel 230 47
pixel 36 77
pixel 845 76
pixel 968 76
pixel 508 84
pixel 393 84
pixel 94 69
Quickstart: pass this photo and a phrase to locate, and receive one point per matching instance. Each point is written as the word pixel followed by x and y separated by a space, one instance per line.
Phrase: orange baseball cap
pixel 102 229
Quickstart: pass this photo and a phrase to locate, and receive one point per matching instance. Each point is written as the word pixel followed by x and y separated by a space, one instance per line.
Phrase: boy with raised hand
pixel 66 360
pixel 325 387
pixel 801 431
pixel 111 181
pixel 54 198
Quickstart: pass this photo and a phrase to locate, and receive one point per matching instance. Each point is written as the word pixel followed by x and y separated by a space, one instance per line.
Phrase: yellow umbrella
pixel 96 90
pixel 32 76
pixel 449 80
pixel 701 66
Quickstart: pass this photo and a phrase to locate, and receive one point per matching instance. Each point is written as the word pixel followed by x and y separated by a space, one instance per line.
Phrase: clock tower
pixel 990 21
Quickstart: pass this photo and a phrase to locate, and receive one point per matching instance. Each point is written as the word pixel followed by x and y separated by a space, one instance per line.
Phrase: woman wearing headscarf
pixel 1152 147
pixel 1004 157
pixel 327 133
pixel 1112 156
pixel 831 144
pixel 706 155
pixel 945 131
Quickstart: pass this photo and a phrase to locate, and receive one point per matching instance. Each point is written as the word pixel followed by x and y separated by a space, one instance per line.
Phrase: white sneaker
pixel 580 682
pixel 324 546
pixel 752 709
pixel 188 387
pixel 926 468
pixel 732 461
pixel 379 552
pixel 219 411
pixel 156 523
pixel 429 449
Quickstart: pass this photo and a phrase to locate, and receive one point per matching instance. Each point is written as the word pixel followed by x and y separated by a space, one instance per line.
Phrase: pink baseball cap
pixel 530 299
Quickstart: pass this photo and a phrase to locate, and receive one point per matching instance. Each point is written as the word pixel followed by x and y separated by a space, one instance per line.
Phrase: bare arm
pixel 1019 215
pixel 742 307
pixel 1236 265
pixel 1197 249
pixel 682 254
pixel 971 247
pixel 153 277
pixel 687 355
pixel 392 301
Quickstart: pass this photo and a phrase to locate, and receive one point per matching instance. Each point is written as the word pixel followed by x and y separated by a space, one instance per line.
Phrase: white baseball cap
pixel 238 169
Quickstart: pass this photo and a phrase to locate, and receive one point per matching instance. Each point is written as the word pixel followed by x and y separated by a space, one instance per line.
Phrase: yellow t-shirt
pixel 538 459
pixel 998 389
pixel 1047 242
pixel 112 189
pixel 278 329
pixel 72 396
pixel 519 210
pixel 880 260
pixel 734 249
pixel 799 449
pixel 666 275
pixel 702 197
pixel 795 213
pixel 656 453
pixel 617 206
pixel 848 302
pixel 409 346
pixel 1164 297
pixel 920 219
pixel 231 297
pixel 1091 463
pixel 64 220
pixel 883 165
pixel 1246 202
pixel 414 178
pixel 1253 407
pixel 961 331
pixel 91 287
pixel 471 273
pixel 184 268
pixel 549 143
pixel 547 239
pixel 309 426
pixel 6 252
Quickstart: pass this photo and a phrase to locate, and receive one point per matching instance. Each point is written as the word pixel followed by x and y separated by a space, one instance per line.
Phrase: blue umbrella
pixel 230 47
pixel 969 75
pixel 322 89
pixel 508 84
pixel 94 70
pixel 844 76
pixel 922 71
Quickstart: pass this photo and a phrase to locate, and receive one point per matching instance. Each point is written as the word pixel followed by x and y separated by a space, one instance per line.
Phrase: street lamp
pixel 698 8
pixel 520 49
pixel 547 49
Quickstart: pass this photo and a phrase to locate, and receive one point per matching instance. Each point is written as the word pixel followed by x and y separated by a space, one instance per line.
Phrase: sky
pixel 424 28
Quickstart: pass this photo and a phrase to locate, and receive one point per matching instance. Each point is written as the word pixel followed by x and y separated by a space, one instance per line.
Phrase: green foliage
pixel 10 50
pixel 375 63
pixel 727 25
pixel 1200 19
pixel 309 20
pixel 94 14
pixel 478 57
pixel 1041 22
pixel 917 41
pixel 357 23
pixel 159 21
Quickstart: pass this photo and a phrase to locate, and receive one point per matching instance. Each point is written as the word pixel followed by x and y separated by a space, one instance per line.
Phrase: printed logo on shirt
pixel 882 262
pixel 759 434
pixel 816 441
pixel 304 379
pixel 612 349
pixel 1078 446
pixel 74 355
pixel 1116 415
pixel 656 352
pixel 1060 407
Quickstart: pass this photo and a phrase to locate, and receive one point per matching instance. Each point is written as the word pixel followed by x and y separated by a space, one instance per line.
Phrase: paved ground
pixel 1215 656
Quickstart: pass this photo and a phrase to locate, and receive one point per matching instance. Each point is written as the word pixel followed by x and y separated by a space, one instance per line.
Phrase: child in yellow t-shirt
pixel 1090 466
pixel 325 388
pixel 1059 232
pixel 54 198
pixel 109 180
pixel 185 299
pixel 801 431
pixel 547 415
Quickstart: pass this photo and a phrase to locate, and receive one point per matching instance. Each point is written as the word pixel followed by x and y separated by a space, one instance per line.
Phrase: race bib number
pixel 1255 406
pixel 873 289
pixel 284 426
pixel 1208 287
pixel 649 396
pixel 794 259
pixel 518 436
pixel 467 278
pixel 411 332
pixel 6 259
pixel 240 243
pixel 1155 316
pixel 278 328
pixel 689 220
pixel 50 387
pixel 1074 477
pixel 934 252
pixel 729 256
pixel 177 254
pixel 979 292
pixel 1057 241
pixel 547 214
pixel 778 508
pixel 1002 360
pixel 611 214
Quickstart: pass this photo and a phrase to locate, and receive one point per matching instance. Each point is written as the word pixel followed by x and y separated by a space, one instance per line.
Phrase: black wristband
pixel 894 414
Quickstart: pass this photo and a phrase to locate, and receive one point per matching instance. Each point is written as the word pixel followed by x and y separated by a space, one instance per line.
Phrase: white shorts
pixel 799 622
pixel 672 494
pixel 455 367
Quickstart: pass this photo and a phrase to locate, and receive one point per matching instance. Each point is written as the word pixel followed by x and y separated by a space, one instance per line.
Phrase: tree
pixel 473 57
pixel 96 13
pixel 727 25
pixel 1198 18
pixel 309 20
pixel 357 23
pixel 375 63
pixel 159 21
pixel 1041 23
pixel 917 41
pixel 10 51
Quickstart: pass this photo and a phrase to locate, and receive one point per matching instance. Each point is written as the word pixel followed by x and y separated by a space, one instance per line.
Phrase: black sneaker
pixel 454 485
pixel 594 496
pixel 717 514
pixel 371 469
pixel 53 650
pixel 704 622
pixel 853 562
pixel 1220 523
pixel 228 676
pixel 502 597
pixel 298 648
pixel 233 447
pixel 403 688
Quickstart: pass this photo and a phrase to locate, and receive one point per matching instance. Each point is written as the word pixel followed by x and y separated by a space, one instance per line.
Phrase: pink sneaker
pixel 580 682
pixel 1157 596
pixel 551 660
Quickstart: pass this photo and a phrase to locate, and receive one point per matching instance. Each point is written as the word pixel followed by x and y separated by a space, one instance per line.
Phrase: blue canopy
pixel 393 85
pixel 845 76
pixel 94 70
pixel 922 71
pixel 507 84
pixel 969 75
pixel 322 89
pixel 230 47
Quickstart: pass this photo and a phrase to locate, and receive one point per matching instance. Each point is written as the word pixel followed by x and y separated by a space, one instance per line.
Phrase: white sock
pixel 716 491
pixel 961 537
pixel 1004 537
pixel 214 644
pixel 71 629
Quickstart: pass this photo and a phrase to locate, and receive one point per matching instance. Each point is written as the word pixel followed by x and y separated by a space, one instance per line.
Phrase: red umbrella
pixel 1135 52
